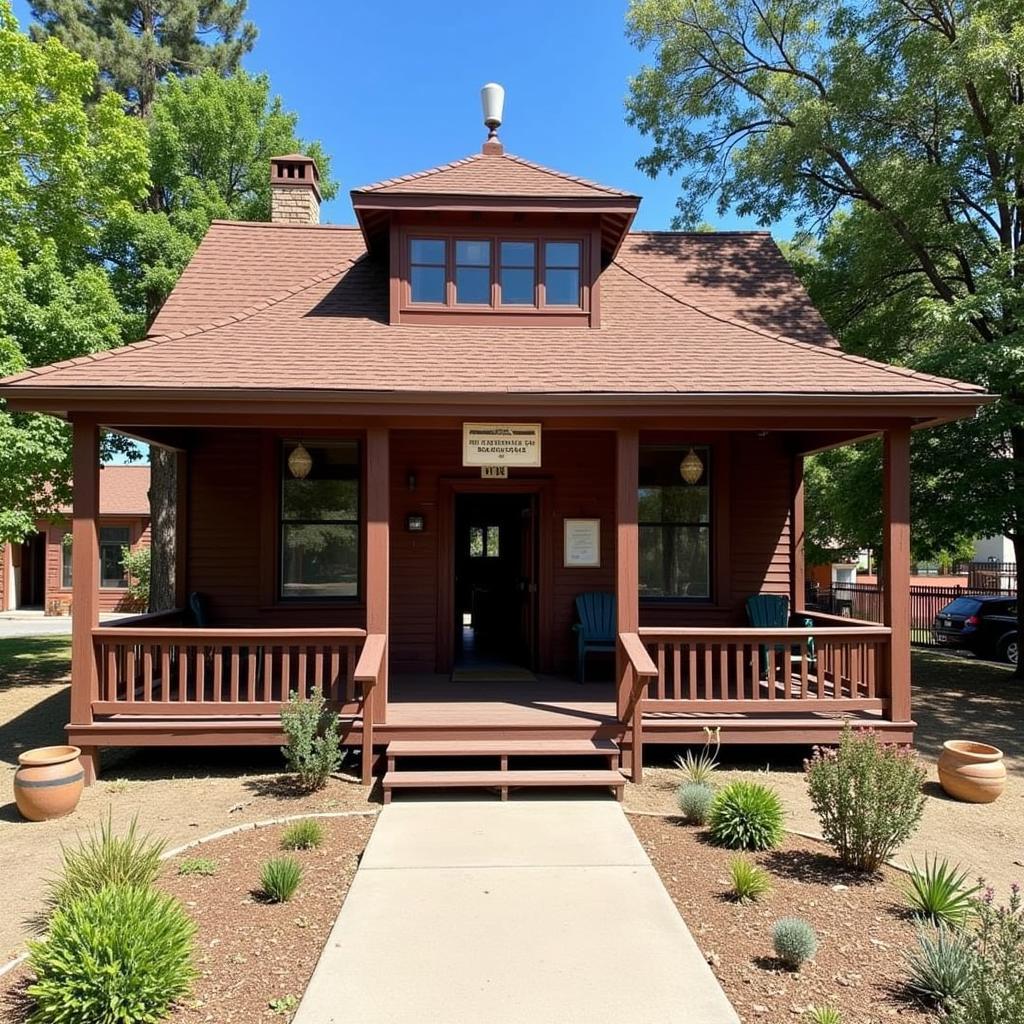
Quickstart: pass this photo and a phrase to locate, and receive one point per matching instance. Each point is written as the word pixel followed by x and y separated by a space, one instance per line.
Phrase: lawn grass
pixel 25 661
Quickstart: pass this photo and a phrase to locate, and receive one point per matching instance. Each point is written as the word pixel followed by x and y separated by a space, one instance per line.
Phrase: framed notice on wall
pixel 582 544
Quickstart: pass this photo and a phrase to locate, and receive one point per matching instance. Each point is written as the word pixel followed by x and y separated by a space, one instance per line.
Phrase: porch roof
pixel 303 309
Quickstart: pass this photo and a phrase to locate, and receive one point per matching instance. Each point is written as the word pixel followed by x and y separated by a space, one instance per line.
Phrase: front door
pixel 495 593
pixel 32 582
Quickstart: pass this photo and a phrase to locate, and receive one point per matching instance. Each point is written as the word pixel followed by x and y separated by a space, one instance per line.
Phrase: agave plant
pixel 699 768
pixel 939 893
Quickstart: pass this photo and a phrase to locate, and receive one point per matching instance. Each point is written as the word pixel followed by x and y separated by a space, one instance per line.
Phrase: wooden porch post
pixel 896 566
pixel 85 579
pixel 627 578
pixel 798 598
pixel 378 552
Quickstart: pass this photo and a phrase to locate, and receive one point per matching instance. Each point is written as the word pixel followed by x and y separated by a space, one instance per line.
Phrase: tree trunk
pixel 1017 536
pixel 163 509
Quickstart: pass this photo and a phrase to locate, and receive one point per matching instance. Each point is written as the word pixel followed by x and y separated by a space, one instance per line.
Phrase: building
pixel 408 446
pixel 38 573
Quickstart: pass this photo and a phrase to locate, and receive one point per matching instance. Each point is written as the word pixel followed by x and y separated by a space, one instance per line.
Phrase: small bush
pixel 280 878
pixel 867 795
pixel 119 955
pixel 284 1004
pixel 939 893
pixel 197 866
pixel 747 816
pixel 695 799
pixel 101 859
pixel 307 834
pixel 313 750
pixel 939 966
pixel 823 1015
pixel 794 940
pixel 699 768
pixel 749 882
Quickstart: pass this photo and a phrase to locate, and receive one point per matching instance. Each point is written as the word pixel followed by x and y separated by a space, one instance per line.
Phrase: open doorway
pixel 495 593
pixel 31 575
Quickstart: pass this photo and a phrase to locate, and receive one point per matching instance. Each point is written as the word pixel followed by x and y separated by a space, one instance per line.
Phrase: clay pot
pixel 971 771
pixel 48 782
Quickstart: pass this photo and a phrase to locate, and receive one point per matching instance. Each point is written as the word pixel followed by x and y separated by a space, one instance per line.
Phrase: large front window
pixel 675 523
pixel 320 522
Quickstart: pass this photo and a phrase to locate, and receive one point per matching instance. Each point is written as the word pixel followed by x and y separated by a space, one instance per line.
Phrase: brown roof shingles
pixel 124 491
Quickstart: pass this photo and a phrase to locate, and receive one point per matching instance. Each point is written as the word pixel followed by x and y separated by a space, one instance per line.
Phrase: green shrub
pixel 307 834
pixel 867 795
pixel 823 1015
pixel 794 940
pixel 747 816
pixel 939 966
pixel 939 893
pixel 137 567
pixel 749 882
pixel 101 859
pixel 284 1004
pixel 699 768
pixel 313 750
pixel 695 799
pixel 280 878
pixel 197 866
pixel 119 955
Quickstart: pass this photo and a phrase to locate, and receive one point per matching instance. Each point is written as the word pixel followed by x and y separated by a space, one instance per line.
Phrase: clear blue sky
pixel 392 86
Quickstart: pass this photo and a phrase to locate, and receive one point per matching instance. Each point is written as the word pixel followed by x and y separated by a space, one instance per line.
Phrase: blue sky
pixel 392 86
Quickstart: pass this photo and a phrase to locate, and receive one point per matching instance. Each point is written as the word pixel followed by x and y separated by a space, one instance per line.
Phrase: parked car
pixel 982 623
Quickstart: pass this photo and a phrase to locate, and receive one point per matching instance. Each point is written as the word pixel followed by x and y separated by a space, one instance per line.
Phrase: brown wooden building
pixel 406 448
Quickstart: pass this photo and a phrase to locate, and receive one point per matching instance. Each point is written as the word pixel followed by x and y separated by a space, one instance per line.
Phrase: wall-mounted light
pixel 691 468
pixel 415 524
pixel 300 462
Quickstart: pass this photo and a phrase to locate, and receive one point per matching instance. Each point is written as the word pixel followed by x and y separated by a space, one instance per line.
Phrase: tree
pixel 139 43
pixel 67 165
pixel 893 130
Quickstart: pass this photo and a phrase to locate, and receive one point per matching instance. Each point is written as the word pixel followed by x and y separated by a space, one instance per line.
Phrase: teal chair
pixel 595 630
pixel 771 611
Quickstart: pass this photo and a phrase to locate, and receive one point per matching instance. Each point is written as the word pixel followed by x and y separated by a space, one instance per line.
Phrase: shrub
pixel 101 859
pixel 307 834
pixel 823 1015
pixel 749 882
pixel 939 966
pixel 939 893
pixel 137 567
pixel 867 795
pixel 794 940
pixel 695 799
pixel 747 816
pixel 118 955
pixel 197 866
pixel 699 768
pixel 314 745
pixel 280 878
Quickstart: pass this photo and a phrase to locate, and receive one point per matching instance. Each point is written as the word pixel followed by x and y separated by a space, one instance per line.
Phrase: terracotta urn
pixel 48 782
pixel 973 772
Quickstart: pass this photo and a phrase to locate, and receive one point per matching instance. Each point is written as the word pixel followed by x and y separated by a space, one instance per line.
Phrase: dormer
pixel 494 238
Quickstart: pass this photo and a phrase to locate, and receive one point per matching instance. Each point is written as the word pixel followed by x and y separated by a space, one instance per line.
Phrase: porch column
pixel 896 565
pixel 798 598
pixel 378 552
pixel 627 571
pixel 85 581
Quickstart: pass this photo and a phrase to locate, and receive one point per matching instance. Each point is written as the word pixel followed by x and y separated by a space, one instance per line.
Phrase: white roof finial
pixel 492 96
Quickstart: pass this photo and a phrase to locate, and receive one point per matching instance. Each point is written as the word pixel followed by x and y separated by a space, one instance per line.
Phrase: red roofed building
pixel 423 456
pixel 38 573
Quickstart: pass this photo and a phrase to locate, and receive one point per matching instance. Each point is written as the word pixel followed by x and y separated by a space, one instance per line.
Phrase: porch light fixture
pixel 300 462
pixel 691 468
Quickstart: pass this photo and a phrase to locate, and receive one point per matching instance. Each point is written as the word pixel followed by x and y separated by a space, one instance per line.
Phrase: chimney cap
pixel 295 170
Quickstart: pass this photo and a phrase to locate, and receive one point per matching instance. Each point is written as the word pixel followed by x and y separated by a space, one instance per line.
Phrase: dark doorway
pixel 495 580
pixel 32 588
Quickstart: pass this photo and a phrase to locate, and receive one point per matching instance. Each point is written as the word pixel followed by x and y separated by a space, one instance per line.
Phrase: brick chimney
pixel 294 190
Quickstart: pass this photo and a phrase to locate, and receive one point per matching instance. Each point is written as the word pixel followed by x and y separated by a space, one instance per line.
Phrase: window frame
pixel 280 598
pixel 67 578
pixel 104 584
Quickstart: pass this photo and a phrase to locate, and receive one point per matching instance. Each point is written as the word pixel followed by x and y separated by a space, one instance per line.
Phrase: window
pixel 473 273
pixel 427 269
pixel 562 273
pixel 113 540
pixel 65 562
pixel 516 274
pixel 674 525
pixel 485 542
pixel 320 522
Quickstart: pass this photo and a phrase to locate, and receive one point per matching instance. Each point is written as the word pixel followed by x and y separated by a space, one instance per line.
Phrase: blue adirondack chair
pixel 596 629
pixel 771 611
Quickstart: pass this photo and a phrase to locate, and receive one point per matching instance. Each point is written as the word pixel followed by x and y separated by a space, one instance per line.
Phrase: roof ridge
pixel 901 371
pixel 151 341
pixel 388 182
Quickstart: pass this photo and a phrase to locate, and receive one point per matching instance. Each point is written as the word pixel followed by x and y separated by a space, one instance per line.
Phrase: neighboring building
pixel 38 573
pixel 998 550
pixel 406 448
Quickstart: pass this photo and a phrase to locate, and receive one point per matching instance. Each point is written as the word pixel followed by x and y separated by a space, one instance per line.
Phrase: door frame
pixel 448 489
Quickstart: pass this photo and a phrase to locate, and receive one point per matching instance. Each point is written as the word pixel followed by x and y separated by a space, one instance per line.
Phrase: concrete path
pixel 526 912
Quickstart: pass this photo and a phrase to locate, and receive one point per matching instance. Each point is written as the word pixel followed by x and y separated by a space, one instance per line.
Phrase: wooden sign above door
pixel 501 444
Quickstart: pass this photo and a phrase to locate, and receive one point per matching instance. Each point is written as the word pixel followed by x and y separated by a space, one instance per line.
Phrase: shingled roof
pixel 124 491
pixel 289 308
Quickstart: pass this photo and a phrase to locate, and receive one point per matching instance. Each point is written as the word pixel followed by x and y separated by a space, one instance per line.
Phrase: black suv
pixel 984 624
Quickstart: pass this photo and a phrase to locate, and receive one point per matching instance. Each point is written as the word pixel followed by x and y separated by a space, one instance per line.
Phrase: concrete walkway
pixel 526 912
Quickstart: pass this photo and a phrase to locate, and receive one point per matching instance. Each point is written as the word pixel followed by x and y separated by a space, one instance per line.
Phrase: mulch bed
pixel 248 952
pixel 862 929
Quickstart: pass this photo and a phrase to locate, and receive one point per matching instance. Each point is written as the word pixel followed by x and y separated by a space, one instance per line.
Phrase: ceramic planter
pixel 48 782
pixel 973 772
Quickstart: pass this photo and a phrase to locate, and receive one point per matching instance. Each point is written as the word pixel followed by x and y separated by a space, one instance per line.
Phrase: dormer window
pixel 562 273
pixel 427 269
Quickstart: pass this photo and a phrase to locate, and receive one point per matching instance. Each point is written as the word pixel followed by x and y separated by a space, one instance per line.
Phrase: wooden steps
pixel 505 776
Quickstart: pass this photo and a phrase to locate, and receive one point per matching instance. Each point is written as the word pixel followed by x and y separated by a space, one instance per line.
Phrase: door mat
pixel 498 674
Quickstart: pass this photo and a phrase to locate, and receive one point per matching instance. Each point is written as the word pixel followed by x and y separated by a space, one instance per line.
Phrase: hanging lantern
pixel 691 469
pixel 300 462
